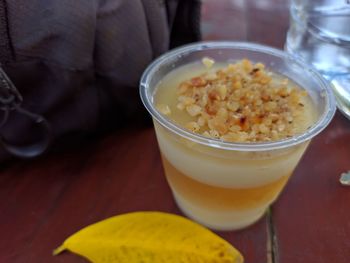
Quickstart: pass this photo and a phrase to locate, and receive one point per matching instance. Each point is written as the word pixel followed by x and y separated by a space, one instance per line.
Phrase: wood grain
pixel 312 217
pixel 45 201
pixel 265 22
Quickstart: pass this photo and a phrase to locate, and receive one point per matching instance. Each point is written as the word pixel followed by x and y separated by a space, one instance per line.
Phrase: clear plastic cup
pixel 224 185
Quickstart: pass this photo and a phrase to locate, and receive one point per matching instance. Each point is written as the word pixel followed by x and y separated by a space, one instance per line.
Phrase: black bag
pixel 77 63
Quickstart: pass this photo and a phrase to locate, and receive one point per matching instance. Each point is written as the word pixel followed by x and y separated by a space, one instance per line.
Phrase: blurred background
pixel 262 21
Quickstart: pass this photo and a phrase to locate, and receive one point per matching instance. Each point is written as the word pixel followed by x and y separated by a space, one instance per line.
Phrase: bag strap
pixel 7 53
pixel 10 101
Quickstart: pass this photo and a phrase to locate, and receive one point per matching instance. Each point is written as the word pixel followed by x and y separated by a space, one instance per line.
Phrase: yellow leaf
pixel 150 237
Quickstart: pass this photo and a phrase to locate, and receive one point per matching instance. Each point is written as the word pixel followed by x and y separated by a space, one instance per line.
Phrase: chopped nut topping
pixel 208 62
pixel 194 110
pixel 242 102
pixel 164 109
pixel 193 126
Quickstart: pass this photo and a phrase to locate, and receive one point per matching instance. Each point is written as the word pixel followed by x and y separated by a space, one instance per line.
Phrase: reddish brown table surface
pixel 44 201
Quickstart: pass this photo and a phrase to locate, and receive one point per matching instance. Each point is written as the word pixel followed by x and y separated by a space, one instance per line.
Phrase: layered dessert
pixel 242 103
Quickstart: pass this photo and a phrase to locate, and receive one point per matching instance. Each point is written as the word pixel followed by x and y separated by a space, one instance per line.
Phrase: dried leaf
pixel 150 237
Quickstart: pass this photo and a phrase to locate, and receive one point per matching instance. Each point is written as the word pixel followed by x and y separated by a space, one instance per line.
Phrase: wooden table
pixel 44 201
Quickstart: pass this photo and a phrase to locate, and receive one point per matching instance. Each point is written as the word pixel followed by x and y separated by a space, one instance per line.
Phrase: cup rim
pixel 315 129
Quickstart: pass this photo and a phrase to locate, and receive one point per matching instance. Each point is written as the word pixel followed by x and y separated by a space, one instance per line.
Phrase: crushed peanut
pixel 208 62
pixel 241 102
pixel 164 109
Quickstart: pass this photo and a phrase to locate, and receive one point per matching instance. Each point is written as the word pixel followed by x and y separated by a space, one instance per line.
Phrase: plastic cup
pixel 224 185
